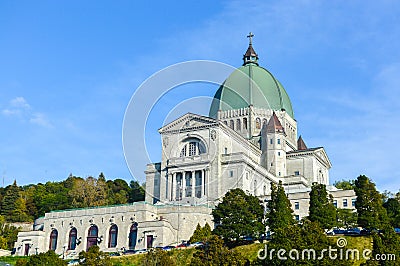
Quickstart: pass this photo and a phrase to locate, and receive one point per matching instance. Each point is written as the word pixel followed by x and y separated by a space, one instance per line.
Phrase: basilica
pixel 249 140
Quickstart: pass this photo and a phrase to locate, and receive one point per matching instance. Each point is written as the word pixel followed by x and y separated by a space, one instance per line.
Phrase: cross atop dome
pixel 250 56
pixel 250 36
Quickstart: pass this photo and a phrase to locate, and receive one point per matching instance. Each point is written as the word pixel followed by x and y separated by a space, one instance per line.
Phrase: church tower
pixel 273 147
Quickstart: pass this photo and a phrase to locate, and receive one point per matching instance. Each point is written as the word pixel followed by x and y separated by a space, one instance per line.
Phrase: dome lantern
pixel 250 56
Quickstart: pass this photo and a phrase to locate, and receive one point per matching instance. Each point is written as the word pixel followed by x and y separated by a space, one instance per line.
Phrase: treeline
pixel 26 203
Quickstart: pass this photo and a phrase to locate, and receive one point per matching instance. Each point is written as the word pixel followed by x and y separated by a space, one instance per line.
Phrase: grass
pixel 184 256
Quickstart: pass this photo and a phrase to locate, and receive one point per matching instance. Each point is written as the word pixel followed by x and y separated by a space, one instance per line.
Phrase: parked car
pixel 197 244
pixel 182 245
pixel 338 231
pixel 397 230
pixel 129 252
pixel 141 251
pixel 167 248
pixel 352 232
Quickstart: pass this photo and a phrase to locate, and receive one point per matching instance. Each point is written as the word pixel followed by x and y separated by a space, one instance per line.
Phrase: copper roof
pixel 250 52
pixel 274 125
pixel 301 146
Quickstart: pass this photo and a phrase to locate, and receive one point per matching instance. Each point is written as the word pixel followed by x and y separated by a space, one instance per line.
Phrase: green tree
pixel 89 192
pixel 386 242
pixel 321 208
pixel 346 218
pixel 345 185
pixel 94 257
pixel 136 192
pixel 216 254
pixel 392 207
pixel 49 258
pixel 305 236
pixel 8 203
pixel 280 213
pixel 371 214
pixel 201 234
pixel 8 234
pixel 158 258
pixel 237 216
pixel 118 191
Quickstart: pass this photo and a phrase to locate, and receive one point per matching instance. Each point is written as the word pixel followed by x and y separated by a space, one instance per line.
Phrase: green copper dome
pixel 251 85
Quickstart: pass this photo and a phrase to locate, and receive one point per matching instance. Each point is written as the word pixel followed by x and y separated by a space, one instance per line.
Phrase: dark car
pixel 129 252
pixel 182 245
pixel 166 248
pixel 397 230
pixel 352 232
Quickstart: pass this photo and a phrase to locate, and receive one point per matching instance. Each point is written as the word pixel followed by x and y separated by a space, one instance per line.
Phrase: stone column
pixel 193 182
pixel 173 187
pixel 203 182
pixel 183 184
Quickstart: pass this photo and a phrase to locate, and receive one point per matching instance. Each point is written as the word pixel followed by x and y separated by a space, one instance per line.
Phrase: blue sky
pixel 69 68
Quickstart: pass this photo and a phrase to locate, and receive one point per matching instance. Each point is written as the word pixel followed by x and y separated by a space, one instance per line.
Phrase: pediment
pixel 323 157
pixel 187 122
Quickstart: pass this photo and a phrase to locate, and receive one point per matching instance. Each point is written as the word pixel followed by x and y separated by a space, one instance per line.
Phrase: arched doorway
pixel 113 236
pixel 92 236
pixel 133 236
pixel 72 239
pixel 53 239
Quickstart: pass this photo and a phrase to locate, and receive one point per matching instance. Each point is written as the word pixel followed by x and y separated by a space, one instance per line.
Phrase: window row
pixel 93 237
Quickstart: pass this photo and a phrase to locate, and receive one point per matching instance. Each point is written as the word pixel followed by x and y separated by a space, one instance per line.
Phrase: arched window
pixel 133 236
pixel 258 123
pixel 92 236
pixel 238 125
pixel 245 123
pixel 53 239
pixel 265 190
pixel 192 147
pixel 113 236
pixel 183 151
pixel 232 124
pixel 72 239
pixel 255 187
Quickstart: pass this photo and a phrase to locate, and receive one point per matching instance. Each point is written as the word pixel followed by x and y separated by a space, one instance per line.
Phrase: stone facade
pixel 202 158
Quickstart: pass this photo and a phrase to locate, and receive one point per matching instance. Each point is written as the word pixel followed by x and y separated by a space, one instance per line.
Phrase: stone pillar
pixel 173 187
pixel 203 182
pixel 183 184
pixel 193 183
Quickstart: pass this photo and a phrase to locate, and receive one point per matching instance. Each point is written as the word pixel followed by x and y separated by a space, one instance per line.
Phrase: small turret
pixel 273 144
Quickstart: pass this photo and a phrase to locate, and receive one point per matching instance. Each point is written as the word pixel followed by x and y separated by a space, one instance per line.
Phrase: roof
pixel 248 85
pixel 301 144
pixel 274 125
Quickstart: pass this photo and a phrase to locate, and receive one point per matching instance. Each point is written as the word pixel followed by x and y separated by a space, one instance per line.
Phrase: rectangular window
pixel 279 153
pixel 297 217
pixel 344 203
pixel 279 141
pixel 297 205
pixel 231 173
pixel 353 202
pixel 192 148
pixel 335 203
pixel 296 172
pixel 270 141
pixel 226 150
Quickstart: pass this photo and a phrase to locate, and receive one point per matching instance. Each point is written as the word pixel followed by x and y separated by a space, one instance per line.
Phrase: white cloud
pixel 20 102
pixel 40 119
pixel 10 112
pixel 22 110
